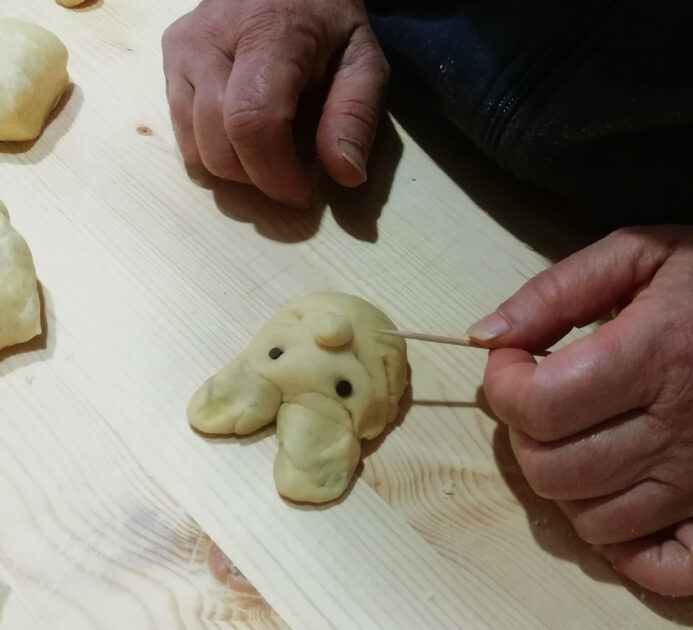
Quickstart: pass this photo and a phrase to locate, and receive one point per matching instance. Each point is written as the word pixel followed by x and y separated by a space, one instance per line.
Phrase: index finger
pixel 259 108
pixel 597 377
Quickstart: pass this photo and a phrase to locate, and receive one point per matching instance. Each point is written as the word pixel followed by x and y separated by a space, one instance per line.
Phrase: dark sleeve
pixel 591 100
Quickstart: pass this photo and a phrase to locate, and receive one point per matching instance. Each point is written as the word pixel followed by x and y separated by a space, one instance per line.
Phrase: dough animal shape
pixel 33 77
pixel 20 311
pixel 328 379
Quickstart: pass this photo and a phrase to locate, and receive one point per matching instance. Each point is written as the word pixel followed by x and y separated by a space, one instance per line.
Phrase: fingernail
pixel 489 327
pixel 352 152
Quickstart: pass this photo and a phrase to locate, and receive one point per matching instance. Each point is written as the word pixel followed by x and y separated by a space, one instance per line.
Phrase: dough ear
pixel 235 400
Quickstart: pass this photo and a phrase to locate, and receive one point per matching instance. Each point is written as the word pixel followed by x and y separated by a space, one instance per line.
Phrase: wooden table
pixel 150 282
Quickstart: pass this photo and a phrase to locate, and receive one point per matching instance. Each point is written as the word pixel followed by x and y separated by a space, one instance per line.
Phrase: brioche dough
pixel 19 301
pixel 328 378
pixel 33 76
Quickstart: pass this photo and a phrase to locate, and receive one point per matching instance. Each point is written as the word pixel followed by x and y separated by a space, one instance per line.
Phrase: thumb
pixel 352 109
pixel 576 291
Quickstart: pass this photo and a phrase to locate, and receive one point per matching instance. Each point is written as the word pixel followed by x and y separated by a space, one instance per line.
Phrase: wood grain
pixel 93 542
pixel 151 282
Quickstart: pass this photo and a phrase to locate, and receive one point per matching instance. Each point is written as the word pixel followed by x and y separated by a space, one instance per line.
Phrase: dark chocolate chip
pixel 343 388
pixel 275 353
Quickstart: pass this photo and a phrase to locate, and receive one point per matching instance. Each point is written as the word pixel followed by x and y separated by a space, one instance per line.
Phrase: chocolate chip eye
pixel 343 388
pixel 275 353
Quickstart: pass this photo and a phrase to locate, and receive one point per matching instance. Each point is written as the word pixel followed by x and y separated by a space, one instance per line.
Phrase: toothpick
pixel 455 341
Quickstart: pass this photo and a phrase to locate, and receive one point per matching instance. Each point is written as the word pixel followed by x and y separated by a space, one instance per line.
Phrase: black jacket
pixel 592 100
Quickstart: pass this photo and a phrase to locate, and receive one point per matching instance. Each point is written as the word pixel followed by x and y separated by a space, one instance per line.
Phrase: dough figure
pixel 318 367
pixel 20 312
pixel 33 76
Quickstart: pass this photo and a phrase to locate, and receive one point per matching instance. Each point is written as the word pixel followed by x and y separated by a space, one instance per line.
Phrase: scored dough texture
pixel 320 369
pixel 33 77
pixel 20 311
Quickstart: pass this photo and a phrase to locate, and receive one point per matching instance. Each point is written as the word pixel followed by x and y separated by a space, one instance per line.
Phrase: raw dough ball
pixel 33 76
pixel 20 311
pixel 328 378
pixel 70 3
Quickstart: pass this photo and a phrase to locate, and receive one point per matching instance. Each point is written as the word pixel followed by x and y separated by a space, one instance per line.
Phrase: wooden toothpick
pixel 455 341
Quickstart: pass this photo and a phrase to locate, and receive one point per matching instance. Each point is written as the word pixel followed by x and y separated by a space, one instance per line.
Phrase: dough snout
pixel 331 329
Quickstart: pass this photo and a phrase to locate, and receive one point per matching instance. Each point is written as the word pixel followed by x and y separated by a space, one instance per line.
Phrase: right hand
pixel 235 70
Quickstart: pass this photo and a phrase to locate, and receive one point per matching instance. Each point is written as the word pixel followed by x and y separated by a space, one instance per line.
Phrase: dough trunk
pixel 318 451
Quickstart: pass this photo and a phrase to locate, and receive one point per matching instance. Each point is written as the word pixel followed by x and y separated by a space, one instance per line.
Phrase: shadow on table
pixel 356 210
pixel 554 533
pixel 58 124
pixel 533 215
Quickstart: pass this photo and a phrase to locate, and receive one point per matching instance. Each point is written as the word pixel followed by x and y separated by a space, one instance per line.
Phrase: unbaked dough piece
pixel 20 310
pixel 70 3
pixel 328 378
pixel 33 77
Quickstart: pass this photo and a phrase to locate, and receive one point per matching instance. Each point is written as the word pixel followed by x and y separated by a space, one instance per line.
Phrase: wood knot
pixel 227 574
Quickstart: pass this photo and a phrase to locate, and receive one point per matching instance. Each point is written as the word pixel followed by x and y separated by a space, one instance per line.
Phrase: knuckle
pixel 371 64
pixel 219 164
pixel 171 36
pixel 546 289
pixel 361 111
pixel 382 70
pixel 541 427
pixel 538 474
pixel 248 125
pixel 647 247
pixel 177 33
pixel 589 529
pixel 267 17
pixel 180 109
pixel 185 138
pixel 537 419
pixel 188 150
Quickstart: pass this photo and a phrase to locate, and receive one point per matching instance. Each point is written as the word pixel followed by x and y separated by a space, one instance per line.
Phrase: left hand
pixel 237 76
pixel 604 426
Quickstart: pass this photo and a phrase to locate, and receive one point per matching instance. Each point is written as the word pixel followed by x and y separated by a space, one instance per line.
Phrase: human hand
pixel 604 426
pixel 235 71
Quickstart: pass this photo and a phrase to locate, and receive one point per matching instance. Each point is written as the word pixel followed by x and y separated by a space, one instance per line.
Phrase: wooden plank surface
pixel 151 282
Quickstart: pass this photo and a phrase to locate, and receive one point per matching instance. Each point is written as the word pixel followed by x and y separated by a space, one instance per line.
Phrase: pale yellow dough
pixel 70 3
pixel 33 77
pixel 325 339
pixel 20 310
